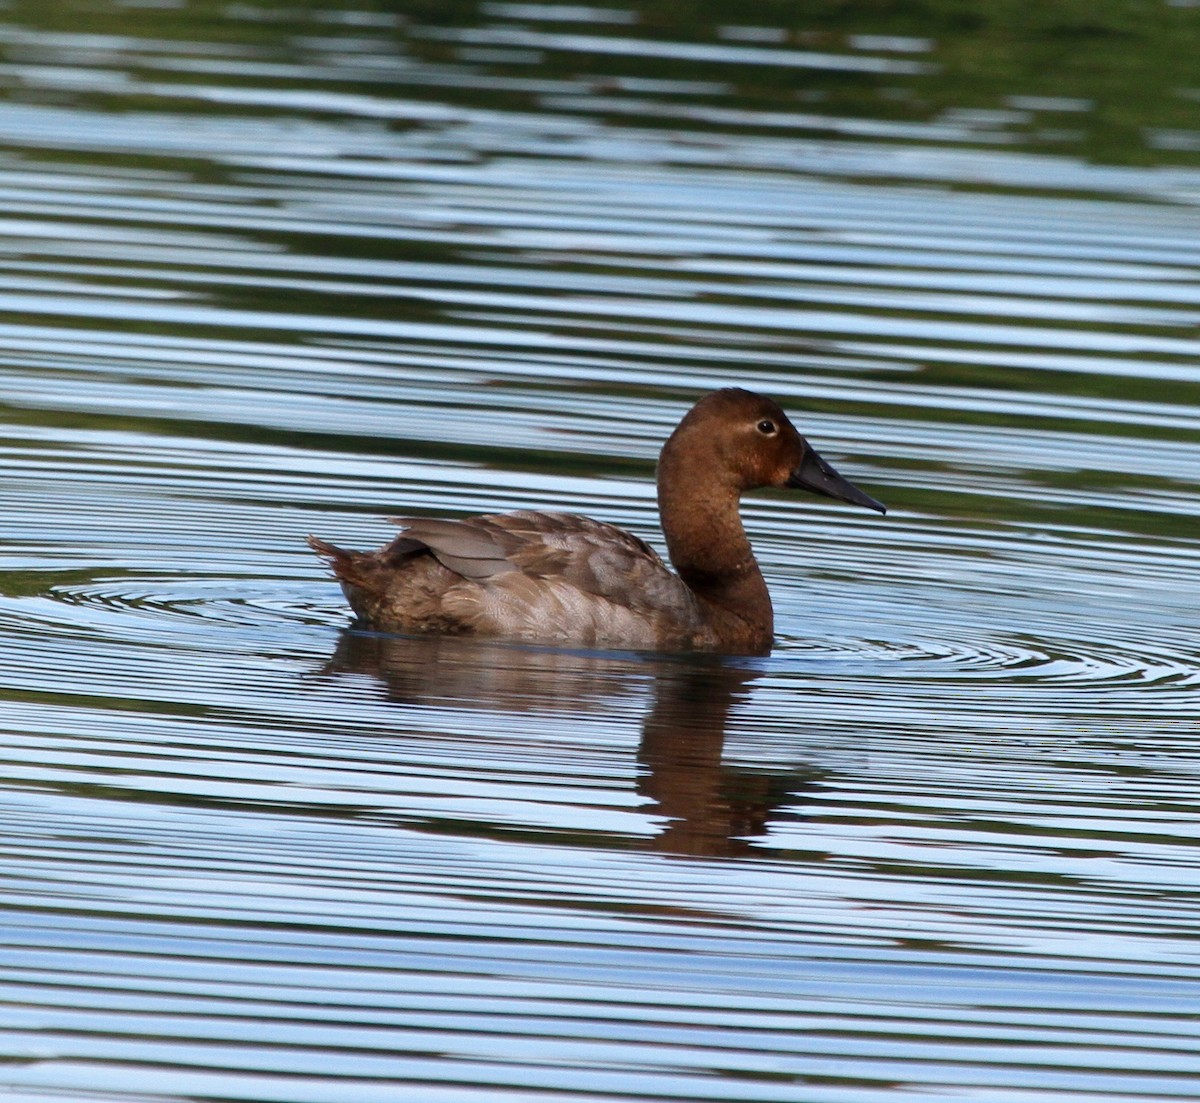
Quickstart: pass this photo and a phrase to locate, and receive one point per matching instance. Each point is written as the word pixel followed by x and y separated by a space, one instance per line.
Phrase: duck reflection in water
pixel 708 806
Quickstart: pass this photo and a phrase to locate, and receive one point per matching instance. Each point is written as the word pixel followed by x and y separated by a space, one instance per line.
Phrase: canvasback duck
pixel 560 578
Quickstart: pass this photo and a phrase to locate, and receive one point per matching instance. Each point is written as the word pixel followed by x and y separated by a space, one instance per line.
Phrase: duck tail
pixel 356 569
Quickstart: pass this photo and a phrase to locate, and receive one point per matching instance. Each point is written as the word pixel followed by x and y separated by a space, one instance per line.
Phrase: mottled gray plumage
pixel 525 575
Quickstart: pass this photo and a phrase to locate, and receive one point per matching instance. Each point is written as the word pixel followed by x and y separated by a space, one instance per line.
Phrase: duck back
pixel 530 575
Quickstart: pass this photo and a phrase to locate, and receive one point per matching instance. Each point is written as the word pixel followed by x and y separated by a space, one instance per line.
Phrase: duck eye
pixel 767 428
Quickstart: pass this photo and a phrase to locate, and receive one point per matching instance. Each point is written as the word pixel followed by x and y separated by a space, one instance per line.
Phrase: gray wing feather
pixel 460 546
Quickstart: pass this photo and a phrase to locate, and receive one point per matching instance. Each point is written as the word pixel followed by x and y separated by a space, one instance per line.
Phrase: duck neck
pixel 709 548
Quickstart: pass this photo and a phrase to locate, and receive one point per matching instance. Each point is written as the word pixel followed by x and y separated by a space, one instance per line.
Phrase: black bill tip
pixel 816 475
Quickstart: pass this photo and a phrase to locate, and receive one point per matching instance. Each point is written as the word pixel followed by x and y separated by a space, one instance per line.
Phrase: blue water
pixel 268 273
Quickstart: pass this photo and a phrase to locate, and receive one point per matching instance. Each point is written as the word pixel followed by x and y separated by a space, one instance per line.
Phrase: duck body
pixel 561 578
pixel 530 575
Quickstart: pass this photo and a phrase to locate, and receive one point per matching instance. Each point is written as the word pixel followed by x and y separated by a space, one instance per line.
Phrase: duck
pixel 559 578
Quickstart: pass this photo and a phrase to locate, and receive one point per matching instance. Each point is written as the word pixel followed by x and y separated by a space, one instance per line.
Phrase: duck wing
pixel 466 547
pixel 559 550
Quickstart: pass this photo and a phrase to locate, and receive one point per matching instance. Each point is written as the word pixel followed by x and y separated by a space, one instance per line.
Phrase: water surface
pixel 268 273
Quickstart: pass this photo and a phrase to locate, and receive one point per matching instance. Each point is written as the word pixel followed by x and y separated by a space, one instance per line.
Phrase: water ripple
pixel 268 273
